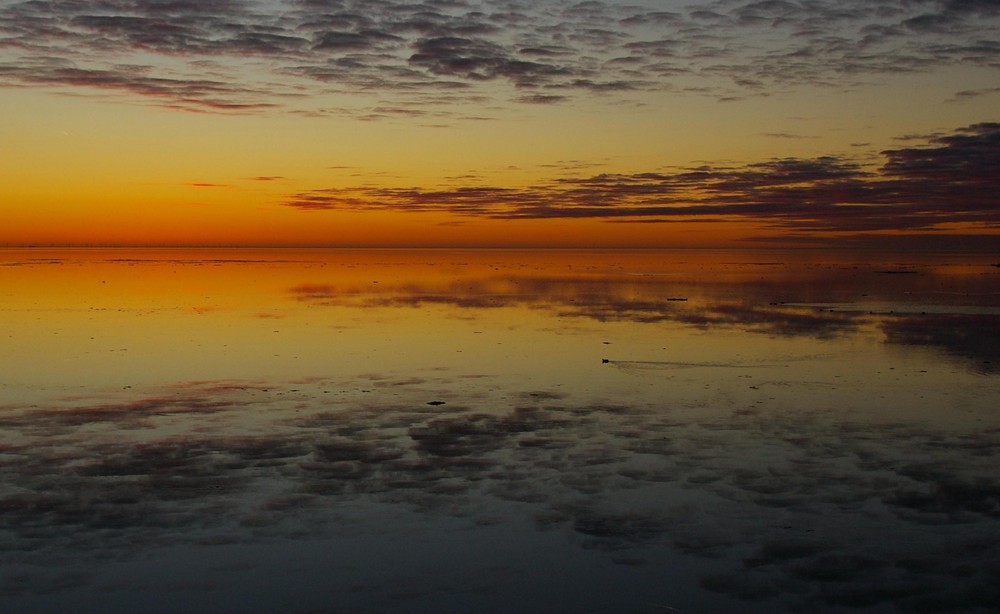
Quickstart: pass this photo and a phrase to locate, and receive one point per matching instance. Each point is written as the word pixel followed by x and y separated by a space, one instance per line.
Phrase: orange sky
pixel 494 124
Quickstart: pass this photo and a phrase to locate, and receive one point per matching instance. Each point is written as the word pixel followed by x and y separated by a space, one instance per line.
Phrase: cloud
pixel 291 55
pixel 951 180
pixel 785 135
pixel 187 94
pixel 481 60
pixel 542 99
pixel 975 7
pixel 968 94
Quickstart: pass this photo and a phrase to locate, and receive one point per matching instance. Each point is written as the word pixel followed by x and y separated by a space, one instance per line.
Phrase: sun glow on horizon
pixel 591 125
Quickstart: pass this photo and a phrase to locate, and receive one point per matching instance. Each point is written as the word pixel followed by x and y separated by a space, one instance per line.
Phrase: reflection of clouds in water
pixel 604 300
pixel 975 336
pixel 788 507
pixel 747 304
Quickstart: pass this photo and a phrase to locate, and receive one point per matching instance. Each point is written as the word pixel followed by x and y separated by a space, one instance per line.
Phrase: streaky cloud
pixel 951 180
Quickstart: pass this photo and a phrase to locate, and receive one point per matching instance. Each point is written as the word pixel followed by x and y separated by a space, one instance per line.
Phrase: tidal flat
pixel 495 431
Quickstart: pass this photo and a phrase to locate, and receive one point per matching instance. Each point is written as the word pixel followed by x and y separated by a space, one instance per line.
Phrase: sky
pixel 461 123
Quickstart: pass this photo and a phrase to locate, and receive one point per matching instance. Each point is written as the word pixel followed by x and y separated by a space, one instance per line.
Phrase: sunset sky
pixel 662 123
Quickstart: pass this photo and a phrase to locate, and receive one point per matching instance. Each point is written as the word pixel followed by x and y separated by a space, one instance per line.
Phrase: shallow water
pixel 426 431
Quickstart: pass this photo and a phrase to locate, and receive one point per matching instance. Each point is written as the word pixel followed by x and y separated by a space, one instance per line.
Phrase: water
pixel 427 431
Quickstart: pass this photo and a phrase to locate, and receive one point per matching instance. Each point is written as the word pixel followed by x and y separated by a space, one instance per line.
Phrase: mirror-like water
pixel 494 431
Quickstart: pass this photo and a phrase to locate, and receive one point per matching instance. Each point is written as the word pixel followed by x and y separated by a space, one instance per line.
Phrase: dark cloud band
pixel 951 180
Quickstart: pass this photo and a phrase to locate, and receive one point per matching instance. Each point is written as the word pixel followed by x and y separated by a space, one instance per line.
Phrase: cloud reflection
pixel 782 302
pixel 970 336
pixel 789 507
pixel 770 495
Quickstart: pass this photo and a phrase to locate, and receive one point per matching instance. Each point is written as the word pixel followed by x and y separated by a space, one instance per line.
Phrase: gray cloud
pixel 969 94
pixel 181 93
pixel 273 51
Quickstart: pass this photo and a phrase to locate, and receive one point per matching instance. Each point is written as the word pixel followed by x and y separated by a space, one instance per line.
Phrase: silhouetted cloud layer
pixel 265 53
pixel 951 180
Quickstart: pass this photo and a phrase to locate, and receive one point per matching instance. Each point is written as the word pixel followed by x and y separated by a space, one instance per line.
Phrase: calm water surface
pixel 495 431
